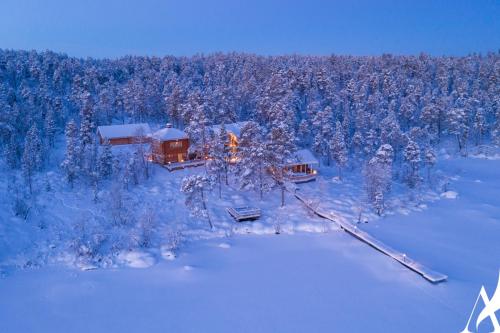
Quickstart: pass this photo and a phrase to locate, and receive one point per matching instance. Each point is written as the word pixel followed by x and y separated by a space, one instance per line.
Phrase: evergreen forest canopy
pixel 343 108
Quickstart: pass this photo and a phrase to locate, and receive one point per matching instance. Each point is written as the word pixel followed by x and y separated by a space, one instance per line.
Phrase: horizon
pixel 118 29
pixel 226 53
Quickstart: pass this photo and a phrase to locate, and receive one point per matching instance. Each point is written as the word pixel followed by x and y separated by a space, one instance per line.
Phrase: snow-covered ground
pixel 244 278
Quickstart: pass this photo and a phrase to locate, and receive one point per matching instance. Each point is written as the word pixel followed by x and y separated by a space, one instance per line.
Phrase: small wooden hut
pixel 300 168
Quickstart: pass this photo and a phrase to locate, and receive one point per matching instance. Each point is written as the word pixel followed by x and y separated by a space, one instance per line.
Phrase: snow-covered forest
pixel 383 116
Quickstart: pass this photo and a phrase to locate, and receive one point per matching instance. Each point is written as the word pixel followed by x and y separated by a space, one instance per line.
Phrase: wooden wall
pixel 170 151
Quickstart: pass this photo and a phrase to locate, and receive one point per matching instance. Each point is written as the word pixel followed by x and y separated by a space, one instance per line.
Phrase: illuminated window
pixel 176 144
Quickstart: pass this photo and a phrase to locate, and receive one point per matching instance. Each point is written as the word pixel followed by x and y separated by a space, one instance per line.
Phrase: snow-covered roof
pixel 233 128
pixel 123 131
pixel 169 133
pixel 303 156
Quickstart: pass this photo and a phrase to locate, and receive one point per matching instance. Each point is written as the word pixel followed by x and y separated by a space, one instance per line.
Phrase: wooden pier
pixel 428 274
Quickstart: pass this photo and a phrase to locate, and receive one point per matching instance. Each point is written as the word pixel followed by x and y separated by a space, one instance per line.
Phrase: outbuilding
pixel 301 166
pixel 124 134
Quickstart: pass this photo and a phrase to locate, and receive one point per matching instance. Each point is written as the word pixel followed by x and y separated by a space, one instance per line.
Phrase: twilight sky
pixel 112 28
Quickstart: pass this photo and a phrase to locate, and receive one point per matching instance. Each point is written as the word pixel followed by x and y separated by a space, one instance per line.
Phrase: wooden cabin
pixel 169 145
pixel 124 134
pixel 234 133
pixel 300 168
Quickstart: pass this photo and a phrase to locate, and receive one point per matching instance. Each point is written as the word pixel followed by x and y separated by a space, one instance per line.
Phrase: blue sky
pixel 112 28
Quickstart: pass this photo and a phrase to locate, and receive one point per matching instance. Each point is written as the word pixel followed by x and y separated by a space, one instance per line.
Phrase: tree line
pixel 376 113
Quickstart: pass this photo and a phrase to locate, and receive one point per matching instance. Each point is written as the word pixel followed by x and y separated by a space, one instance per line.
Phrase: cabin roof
pixel 169 133
pixel 233 128
pixel 123 131
pixel 302 156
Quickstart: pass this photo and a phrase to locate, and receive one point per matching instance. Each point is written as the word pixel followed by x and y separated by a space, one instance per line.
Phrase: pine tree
pixel 371 142
pixel 280 145
pixel 173 103
pixel 432 116
pixel 430 161
pixel 390 131
pixel 87 125
pixel 304 131
pixel 378 175
pixel 12 152
pixel 457 125
pixel 324 131
pixel 50 127
pixel 218 163
pixel 70 165
pixel 105 167
pixel 32 155
pixel 412 158
pixel 495 133
pixel 197 131
pixel 338 149
pixel 140 153
pixel 378 201
pixel 480 126
pixel 194 187
pixel 357 145
pixel 130 175
pixel 252 165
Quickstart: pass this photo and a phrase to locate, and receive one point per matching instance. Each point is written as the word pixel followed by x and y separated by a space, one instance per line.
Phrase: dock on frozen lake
pixel 428 274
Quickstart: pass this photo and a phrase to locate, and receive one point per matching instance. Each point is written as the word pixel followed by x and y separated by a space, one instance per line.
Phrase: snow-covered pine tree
pixel 146 227
pixel 338 149
pixel 280 145
pixel 378 176
pixel 431 116
pixel 88 145
pixel 412 159
pixel 429 161
pixel 197 131
pixel 50 127
pixel 378 201
pixel 324 131
pixel 495 133
pixel 390 132
pixel 371 142
pixel 70 164
pixel 32 155
pixel 480 125
pixel 140 153
pixel 457 126
pixel 252 164
pixel 304 131
pixel 173 102
pixel 385 154
pixel 105 167
pixel 130 175
pixel 194 188
pixel 87 125
pixel 218 163
pixel 357 145
pixel 12 152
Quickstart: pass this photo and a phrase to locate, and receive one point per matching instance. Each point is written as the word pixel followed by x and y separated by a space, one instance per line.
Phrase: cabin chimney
pixel 169 125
